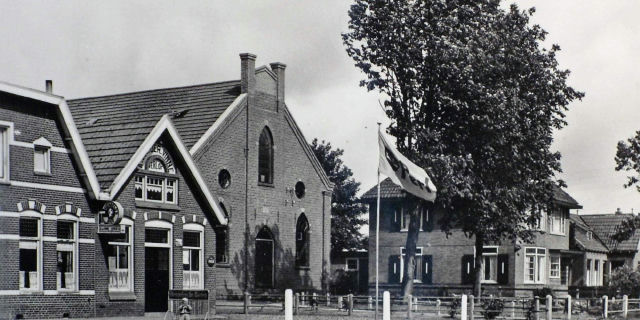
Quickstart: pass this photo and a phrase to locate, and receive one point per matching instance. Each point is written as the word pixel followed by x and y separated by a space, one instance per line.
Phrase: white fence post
pixel 537 307
pixel 463 307
pixel 415 304
pixel 409 306
pixel 605 306
pixel 513 309
pixel 438 303
pixel 472 306
pixel 288 304
pixel 625 305
pixel 340 306
pixel 370 302
pixel 549 307
pixel 328 299
pixel 386 306
pixel 568 307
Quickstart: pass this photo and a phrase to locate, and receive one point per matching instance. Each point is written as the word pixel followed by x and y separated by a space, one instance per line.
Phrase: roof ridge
pixel 150 90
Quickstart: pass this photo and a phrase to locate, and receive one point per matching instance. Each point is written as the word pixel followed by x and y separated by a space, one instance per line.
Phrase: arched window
pixel 155 180
pixel 302 241
pixel 265 157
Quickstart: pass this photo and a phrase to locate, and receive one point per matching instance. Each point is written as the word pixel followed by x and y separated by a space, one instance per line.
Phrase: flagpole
pixel 377 232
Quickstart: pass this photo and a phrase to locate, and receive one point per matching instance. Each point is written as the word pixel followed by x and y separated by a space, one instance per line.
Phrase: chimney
pixel 278 69
pixel 48 84
pixel 618 211
pixel 248 73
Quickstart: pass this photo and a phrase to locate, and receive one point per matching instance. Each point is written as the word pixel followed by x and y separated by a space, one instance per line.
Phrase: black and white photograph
pixel 333 159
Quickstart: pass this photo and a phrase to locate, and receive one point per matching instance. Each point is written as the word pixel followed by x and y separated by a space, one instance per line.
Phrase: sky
pixel 99 48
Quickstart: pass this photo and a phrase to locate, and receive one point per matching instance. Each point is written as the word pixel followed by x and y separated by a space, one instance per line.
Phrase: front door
pixel 264 259
pixel 156 285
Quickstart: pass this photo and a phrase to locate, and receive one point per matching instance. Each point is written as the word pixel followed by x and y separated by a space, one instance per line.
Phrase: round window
pixel 300 189
pixel 224 178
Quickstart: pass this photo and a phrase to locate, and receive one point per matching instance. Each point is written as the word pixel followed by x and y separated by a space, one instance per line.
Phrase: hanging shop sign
pixel 109 218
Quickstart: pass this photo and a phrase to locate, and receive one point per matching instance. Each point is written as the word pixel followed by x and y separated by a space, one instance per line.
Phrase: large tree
pixel 628 159
pixel 474 98
pixel 346 210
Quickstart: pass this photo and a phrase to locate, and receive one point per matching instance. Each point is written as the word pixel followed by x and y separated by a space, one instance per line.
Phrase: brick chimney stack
pixel 248 73
pixel 48 84
pixel 278 69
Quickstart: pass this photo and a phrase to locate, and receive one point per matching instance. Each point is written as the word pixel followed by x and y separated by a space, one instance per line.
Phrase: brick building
pixel 446 263
pixel 217 170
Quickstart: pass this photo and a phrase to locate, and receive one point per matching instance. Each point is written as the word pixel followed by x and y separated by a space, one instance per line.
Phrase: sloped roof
pixel 581 238
pixel 605 225
pixel 113 127
pixel 563 198
pixel 389 190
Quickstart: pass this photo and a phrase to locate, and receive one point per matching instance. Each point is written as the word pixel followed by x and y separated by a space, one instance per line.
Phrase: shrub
pixel 492 308
pixel 542 293
pixel 343 282
pixel 454 307
pixel 624 280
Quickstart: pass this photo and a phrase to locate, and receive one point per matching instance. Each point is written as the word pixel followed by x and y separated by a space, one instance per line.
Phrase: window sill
pixel 44 174
pixel 28 292
pixel 557 234
pixel 121 296
pixel 489 282
pixel 156 205
pixel 225 265
pixel 5 181
pixel 265 184
pixel 303 268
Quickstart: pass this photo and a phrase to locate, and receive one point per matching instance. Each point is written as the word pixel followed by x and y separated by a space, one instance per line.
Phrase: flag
pixel 403 172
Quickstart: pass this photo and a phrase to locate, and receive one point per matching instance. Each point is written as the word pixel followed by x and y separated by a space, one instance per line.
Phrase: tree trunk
pixel 477 283
pixel 414 207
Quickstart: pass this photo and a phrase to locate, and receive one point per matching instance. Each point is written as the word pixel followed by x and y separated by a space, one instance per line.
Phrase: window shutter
pixel 395 218
pixel 428 222
pixel 467 269
pixel 427 269
pixel 394 269
pixel 503 269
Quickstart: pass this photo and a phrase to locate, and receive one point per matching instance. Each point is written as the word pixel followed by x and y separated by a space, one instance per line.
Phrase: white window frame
pixel 541 224
pixel 402 254
pixel 346 264
pixel 539 265
pixel 194 227
pixel 69 245
pixel 402 226
pixel 557 222
pixel 165 183
pixel 127 222
pixel 6 137
pixel 46 161
pixel 554 267
pixel 162 224
pixel 493 254
pixel 33 243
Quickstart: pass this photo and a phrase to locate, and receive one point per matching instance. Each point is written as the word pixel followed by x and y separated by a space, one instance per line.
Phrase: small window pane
pixel 65 269
pixel 139 186
pixel 191 239
pixel 195 260
pixel 28 227
pixel 156 235
pixel 352 264
pixel 170 191
pixel 154 189
pixel 65 230
pixel 40 160
pixel 221 245
pixel 28 268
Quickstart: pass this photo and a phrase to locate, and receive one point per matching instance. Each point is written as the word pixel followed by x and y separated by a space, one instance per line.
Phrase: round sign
pixel 211 261
pixel 112 213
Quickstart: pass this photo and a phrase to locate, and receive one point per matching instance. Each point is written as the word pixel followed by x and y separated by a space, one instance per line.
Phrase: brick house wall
pixel 32 120
pixel 447 255
pixel 274 206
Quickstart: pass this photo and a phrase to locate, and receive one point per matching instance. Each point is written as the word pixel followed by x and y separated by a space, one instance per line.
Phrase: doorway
pixel 264 259
pixel 157 273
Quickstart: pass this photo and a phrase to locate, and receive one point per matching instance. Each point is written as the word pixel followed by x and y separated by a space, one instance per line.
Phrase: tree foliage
pixel 346 211
pixel 474 98
pixel 628 159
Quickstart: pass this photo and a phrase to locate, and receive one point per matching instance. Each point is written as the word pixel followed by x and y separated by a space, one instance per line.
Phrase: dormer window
pixel 156 180
pixel 42 156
